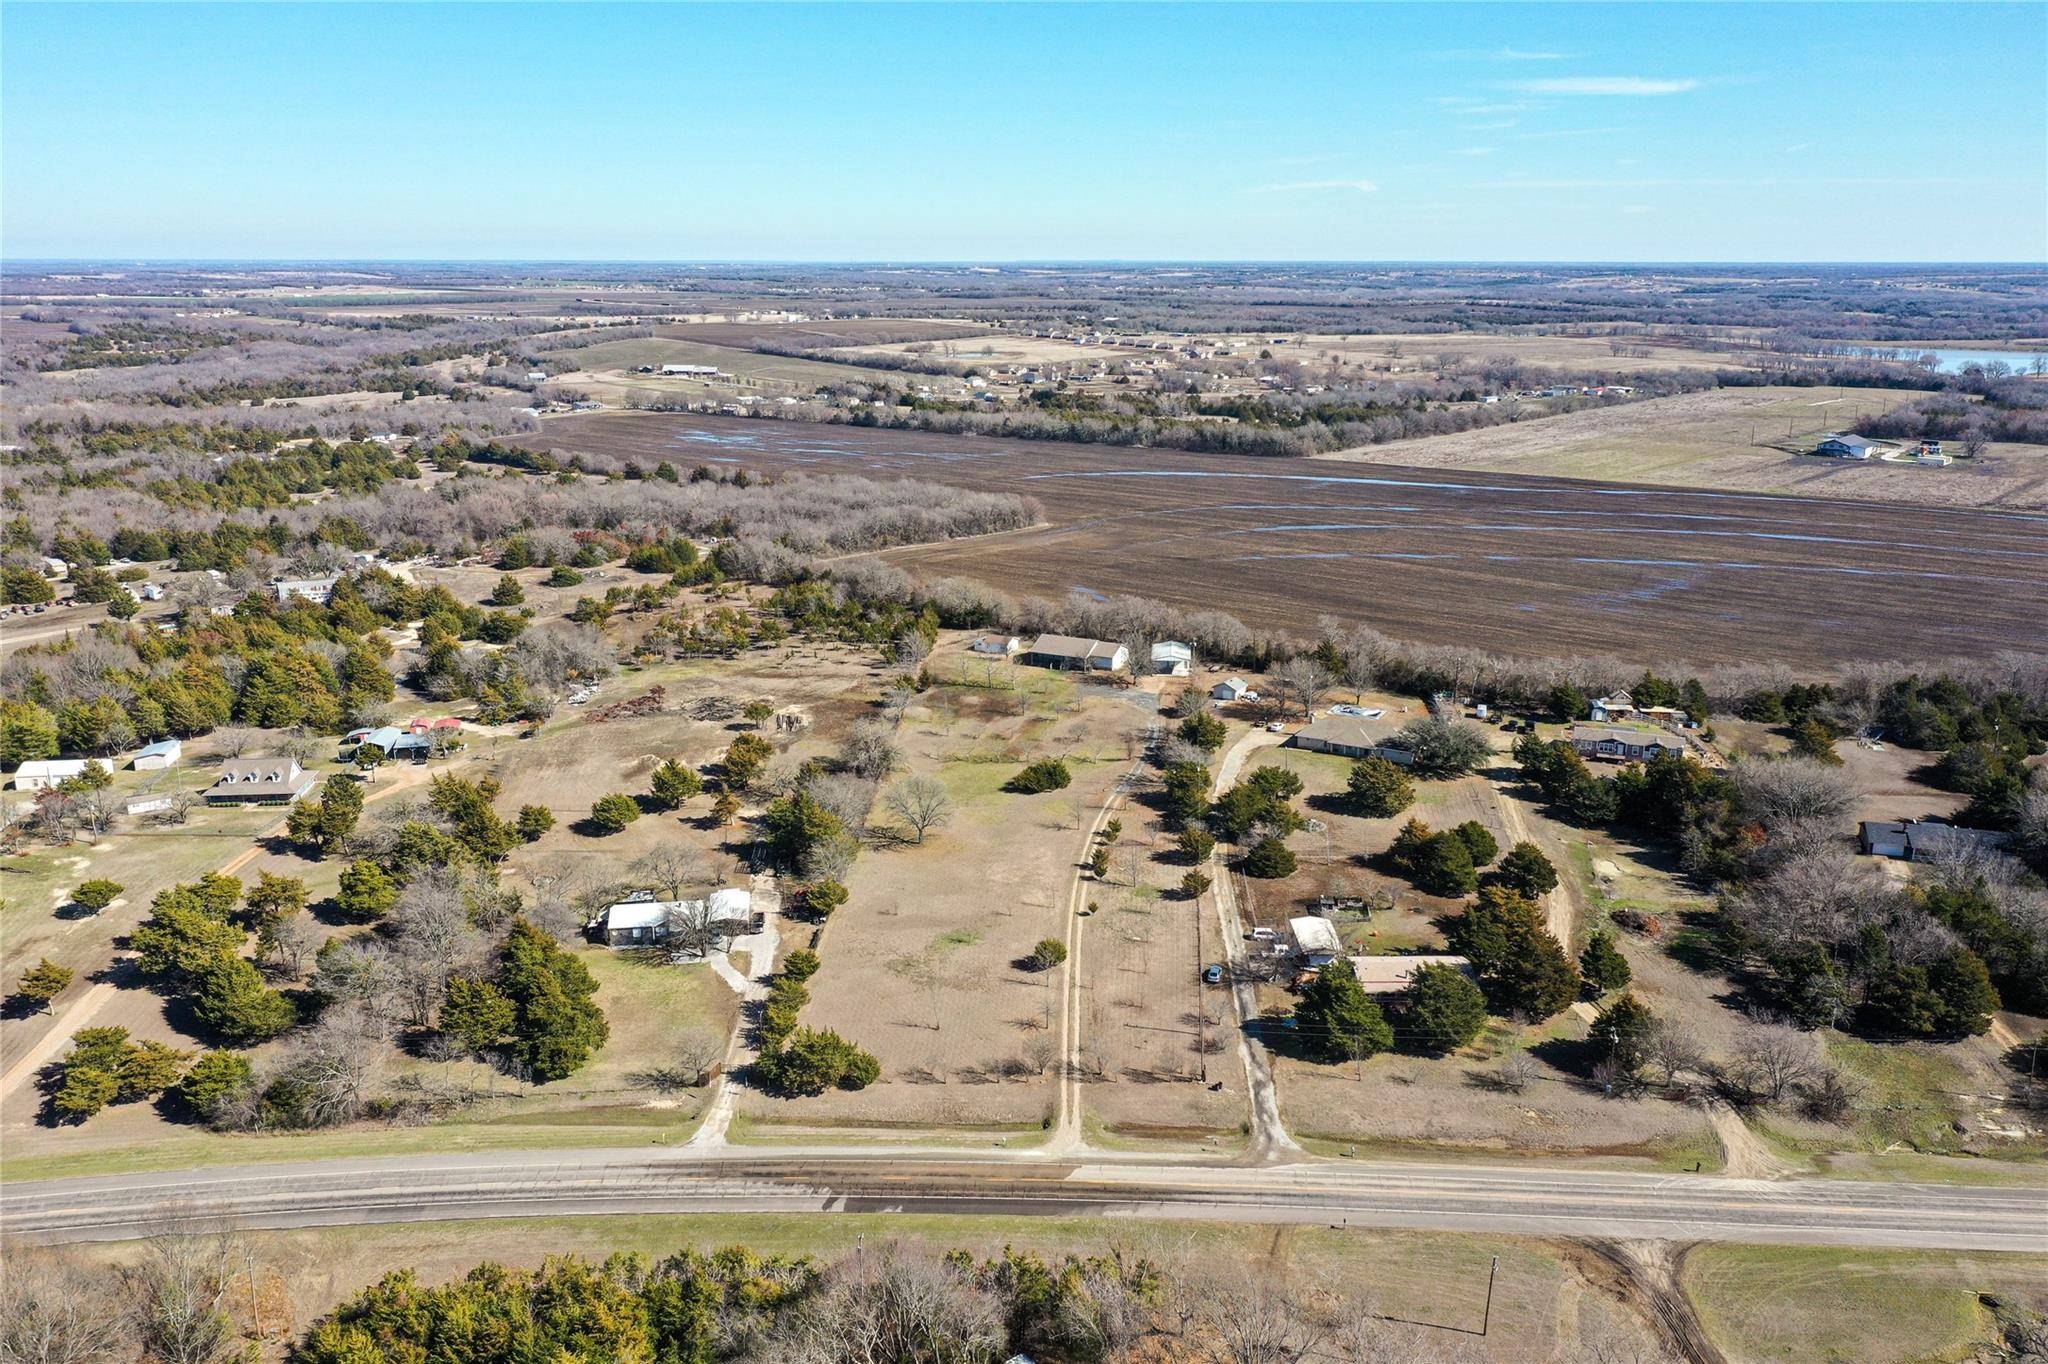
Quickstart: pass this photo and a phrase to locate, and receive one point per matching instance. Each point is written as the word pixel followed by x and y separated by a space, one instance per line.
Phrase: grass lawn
pixel 1827 1306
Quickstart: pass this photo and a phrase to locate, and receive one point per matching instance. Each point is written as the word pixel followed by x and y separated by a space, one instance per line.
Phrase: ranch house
pixel 1617 743
pixel 1069 651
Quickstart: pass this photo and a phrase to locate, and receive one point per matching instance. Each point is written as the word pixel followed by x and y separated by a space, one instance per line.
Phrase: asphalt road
pixel 1527 1201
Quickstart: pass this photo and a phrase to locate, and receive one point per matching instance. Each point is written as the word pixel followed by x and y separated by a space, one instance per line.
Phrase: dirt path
pixel 1744 1154
pixel 1068 1135
pixel 1557 903
pixel 1648 1275
pixel 1269 1132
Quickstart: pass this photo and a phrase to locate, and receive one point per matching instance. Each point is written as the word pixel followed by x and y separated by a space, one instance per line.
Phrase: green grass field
pixel 1822 1306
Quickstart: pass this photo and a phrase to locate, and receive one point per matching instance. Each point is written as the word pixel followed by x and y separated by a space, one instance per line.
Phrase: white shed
pixel 1172 658
pixel 1314 937
pixel 39 775
pixel 157 756
pixel 1230 689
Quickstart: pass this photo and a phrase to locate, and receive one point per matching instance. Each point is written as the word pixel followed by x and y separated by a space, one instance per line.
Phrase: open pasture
pixel 1520 564
pixel 1740 439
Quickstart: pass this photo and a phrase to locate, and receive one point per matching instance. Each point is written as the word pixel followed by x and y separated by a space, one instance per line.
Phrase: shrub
pixel 824 896
pixel 1047 774
pixel 218 1082
pixel 533 821
pixel 97 894
pixel 1620 1031
pixel 1195 884
pixel 1049 952
pixel 565 576
pixel 801 964
pixel 812 1061
pixel 611 814
pixel 1196 845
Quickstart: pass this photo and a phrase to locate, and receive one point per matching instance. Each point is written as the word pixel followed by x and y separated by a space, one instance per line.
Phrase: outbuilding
pixel 1171 658
pixel 999 646
pixel 157 756
pixel 1231 689
pixel 1315 940
pixel 1837 446
pixel 44 773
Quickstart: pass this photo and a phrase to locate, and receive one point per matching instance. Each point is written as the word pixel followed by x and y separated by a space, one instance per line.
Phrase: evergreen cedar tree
pixel 1196 845
pixel 1269 859
pixel 1520 966
pixel 42 983
pixel 1047 774
pixel 106 1066
pixel 1337 1020
pixel 1525 870
pixel 1203 730
pixel 217 1081
pixel 1378 789
pixel 1049 952
pixel 558 1026
pixel 1601 964
pixel 1445 1010
pixel 1621 1030
pixel 367 893
pixel 672 784
pixel 612 813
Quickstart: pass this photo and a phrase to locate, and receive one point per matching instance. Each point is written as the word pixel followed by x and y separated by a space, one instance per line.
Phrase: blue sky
pixel 903 132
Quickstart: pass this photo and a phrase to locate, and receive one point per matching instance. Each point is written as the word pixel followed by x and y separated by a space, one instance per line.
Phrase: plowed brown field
pixel 1512 563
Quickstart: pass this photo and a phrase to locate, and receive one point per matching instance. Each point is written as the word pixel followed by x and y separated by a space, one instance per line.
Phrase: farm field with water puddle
pixel 1514 563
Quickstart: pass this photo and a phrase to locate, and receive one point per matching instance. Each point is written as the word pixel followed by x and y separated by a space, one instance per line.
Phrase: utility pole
pixel 1201 1005
pixel 1486 1321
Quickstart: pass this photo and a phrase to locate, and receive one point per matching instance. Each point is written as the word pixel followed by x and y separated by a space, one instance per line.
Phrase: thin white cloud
pixel 1310 186
pixel 1607 85
pixel 1637 208
pixel 1473 151
pixel 1500 54
pixel 1553 134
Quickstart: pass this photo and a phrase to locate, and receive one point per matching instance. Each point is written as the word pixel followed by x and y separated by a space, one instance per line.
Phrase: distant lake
pixel 1955 361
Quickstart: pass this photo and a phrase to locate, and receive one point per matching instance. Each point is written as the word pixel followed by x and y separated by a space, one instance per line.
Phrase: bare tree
pixel 922 803
pixel 1305 679
pixel 1258 1319
pixel 870 750
pixel 690 929
pixel 54 1310
pixel 1670 1051
pixel 671 869
pixel 180 1291
pixel 293 942
pixel 686 1063
pixel 891 1304
pixel 337 1063
pixel 1769 1060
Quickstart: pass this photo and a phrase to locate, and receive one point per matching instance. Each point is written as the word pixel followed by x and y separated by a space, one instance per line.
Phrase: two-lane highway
pixel 1510 1199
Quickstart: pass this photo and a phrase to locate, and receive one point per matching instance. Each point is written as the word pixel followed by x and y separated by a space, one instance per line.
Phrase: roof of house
pixel 1231 684
pixel 1622 734
pixel 1349 731
pixel 163 746
pixel 1927 836
pixel 51 767
pixel 1848 441
pixel 1172 650
pixel 994 643
pixel 1386 975
pixel 267 776
pixel 642 910
pixel 1314 935
pixel 1072 646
